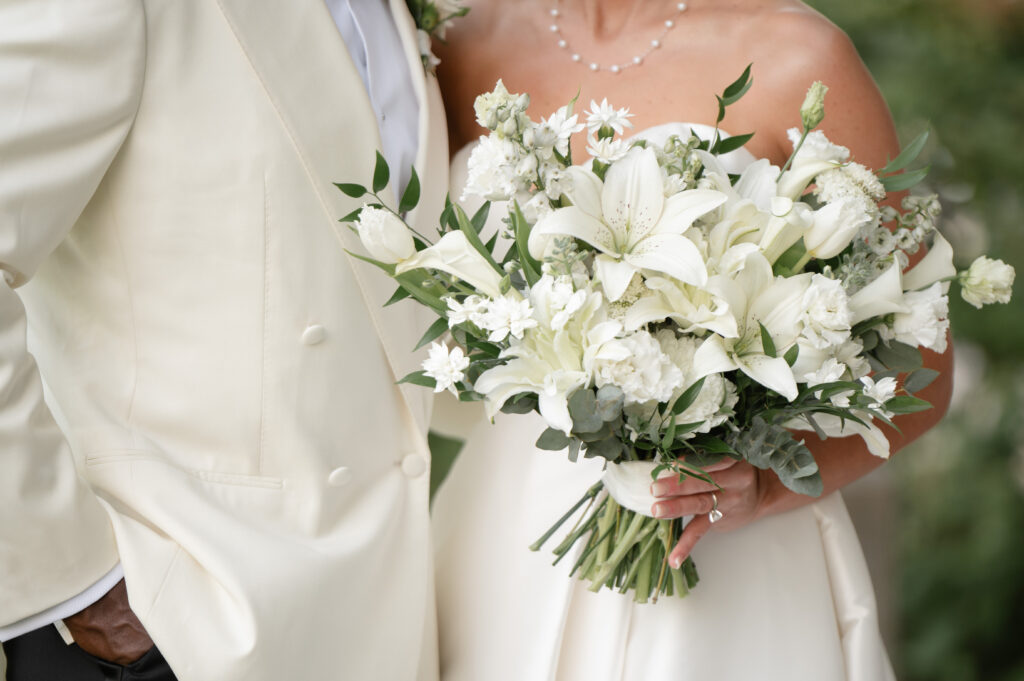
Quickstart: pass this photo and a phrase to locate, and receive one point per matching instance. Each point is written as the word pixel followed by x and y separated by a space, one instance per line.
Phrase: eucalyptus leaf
pixel 381 173
pixel 610 448
pixel 583 410
pixel 552 440
pixel 610 399
pixel 772 447
pixel 898 356
pixel 523 403
pixel 919 379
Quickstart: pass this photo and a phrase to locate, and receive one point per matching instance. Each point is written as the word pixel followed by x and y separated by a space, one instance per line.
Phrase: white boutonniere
pixel 432 17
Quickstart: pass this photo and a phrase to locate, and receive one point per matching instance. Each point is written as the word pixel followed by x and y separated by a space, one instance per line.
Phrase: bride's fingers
pixel 690 504
pixel 672 486
pixel 692 533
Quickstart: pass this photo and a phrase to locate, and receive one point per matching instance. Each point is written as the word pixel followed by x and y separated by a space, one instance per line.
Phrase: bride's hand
pixel 740 493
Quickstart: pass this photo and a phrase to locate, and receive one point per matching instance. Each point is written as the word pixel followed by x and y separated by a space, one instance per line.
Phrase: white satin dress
pixel 787 598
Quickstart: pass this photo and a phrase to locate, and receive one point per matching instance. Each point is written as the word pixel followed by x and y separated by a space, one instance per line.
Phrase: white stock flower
pixel 495 109
pixel 384 235
pixel 632 224
pixel 987 281
pixel 926 322
pixel 469 310
pixel 604 115
pixel 827 316
pixel 445 367
pixel 637 365
pixel 492 170
pixel 607 150
pixel 536 207
pixel 505 317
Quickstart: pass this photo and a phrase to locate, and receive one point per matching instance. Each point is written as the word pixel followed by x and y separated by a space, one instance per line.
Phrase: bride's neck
pixel 608 18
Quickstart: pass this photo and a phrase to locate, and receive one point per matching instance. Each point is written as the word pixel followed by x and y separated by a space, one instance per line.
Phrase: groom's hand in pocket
pixel 109 630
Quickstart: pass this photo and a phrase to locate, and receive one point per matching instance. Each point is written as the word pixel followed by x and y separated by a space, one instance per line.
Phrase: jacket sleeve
pixel 70 81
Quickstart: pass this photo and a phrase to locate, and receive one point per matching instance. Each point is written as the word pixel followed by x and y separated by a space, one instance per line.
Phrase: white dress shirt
pixel 372 39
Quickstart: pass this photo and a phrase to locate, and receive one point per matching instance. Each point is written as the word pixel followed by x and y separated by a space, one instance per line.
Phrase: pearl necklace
pixel 614 68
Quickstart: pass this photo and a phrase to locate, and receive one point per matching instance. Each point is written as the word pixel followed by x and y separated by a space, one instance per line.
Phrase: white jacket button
pixel 339 476
pixel 414 465
pixel 314 334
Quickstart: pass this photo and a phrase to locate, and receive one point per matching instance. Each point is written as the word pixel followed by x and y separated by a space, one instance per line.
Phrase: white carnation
pixel 827 316
pixel 446 368
pixel 817 147
pixel 717 396
pixel 637 365
pixel 987 281
pixel 492 170
pixel 927 322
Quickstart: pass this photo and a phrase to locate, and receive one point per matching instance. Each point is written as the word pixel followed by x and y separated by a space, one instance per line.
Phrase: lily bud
pixel 384 235
pixel 812 113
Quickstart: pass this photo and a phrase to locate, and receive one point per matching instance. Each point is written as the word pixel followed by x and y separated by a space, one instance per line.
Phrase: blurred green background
pixel 947 541
pixel 943 524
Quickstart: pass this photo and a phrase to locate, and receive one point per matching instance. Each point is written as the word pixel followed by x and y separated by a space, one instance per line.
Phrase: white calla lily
pixel 455 255
pixel 882 296
pixel 834 227
pixel 833 426
pixel 935 266
pixel 636 227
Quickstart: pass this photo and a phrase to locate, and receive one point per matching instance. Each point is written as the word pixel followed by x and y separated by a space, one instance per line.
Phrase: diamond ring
pixel 715 515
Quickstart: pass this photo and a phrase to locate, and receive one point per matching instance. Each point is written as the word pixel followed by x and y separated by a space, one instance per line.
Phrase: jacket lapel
pixel 307 72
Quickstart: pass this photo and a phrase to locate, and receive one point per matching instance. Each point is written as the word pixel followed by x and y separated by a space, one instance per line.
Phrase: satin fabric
pixel 788 598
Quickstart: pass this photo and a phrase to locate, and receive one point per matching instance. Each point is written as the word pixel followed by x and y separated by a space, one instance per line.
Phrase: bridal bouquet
pixel 660 312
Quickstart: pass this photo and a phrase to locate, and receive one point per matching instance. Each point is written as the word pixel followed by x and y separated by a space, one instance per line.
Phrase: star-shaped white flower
pixel 604 115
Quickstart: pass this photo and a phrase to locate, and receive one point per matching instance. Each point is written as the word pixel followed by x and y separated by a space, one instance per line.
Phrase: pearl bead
pixel 681 6
pixel 638 60
pixel 614 68
pixel 562 43
pixel 655 44
pixel 669 23
pixel 576 57
pixel 553 28
pixel 555 13
pixel 594 66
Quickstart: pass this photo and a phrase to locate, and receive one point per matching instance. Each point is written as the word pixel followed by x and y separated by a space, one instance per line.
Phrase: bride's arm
pixel 856 117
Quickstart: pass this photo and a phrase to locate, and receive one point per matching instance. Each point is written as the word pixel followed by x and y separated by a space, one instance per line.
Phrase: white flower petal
pixel 455 255
pixel 882 296
pixel 571 221
pixel 632 197
pixel 614 275
pixel 672 254
pixel 771 372
pixel 935 265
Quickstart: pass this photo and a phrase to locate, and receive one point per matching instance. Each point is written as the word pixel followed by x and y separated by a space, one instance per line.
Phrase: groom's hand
pixel 109 630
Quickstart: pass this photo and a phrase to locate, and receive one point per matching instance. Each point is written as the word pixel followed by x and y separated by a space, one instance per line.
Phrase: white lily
pixel 455 255
pixel 834 227
pixel 881 297
pixel 757 297
pixel 690 307
pixel 633 225
pixel 935 266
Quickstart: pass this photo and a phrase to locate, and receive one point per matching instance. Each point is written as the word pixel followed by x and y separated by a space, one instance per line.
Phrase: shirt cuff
pixel 66 609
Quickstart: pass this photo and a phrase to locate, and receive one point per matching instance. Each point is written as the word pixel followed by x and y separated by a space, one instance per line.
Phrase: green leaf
pixel 390 269
pixel 552 440
pixel 919 379
pixel 721 109
pixel 898 356
pixel 792 354
pixel 688 397
pixel 610 448
pixel 907 156
pixel 531 268
pixel 433 333
pixel 767 342
pixel 610 399
pixel 898 183
pixel 731 143
pixel 381 173
pixel 399 294
pixel 738 88
pixel 350 189
pixel 772 447
pixel 411 195
pixel 479 218
pixel 473 236
pixel 418 378
pixel 523 403
pixel 907 404
pixel 353 216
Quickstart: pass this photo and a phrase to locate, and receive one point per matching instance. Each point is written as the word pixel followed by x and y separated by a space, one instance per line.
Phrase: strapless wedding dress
pixel 787 598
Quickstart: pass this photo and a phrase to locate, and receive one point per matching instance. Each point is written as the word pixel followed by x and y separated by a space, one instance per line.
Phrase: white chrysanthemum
pixel 817 147
pixel 881 391
pixel 446 368
pixel 827 315
pixel 604 115
pixel 987 281
pixel 637 365
pixel 554 132
pixel 927 322
pixel 506 317
pixel 492 170
pixel 469 310
pixel 607 150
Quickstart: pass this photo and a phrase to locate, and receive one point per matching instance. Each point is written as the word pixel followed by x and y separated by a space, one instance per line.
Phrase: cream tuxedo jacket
pixel 221 412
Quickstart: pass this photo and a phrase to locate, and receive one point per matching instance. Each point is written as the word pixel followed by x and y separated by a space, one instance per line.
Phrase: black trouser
pixel 42 655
